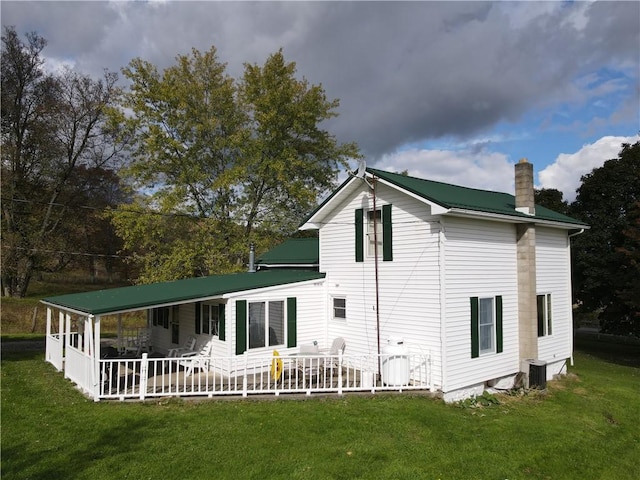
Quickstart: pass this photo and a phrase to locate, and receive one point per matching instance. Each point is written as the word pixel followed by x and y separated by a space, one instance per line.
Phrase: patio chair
pixel 333 354
pixel 196 359
pixel 140 343
pixel 188 347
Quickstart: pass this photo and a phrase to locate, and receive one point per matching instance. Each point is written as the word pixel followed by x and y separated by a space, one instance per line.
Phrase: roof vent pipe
pixel 252 258
pixel 525 200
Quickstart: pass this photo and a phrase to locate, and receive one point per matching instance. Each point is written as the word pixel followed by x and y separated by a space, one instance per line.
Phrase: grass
pixel 585 426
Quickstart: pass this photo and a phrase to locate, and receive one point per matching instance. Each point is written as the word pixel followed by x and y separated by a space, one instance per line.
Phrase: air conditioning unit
pixel 536 372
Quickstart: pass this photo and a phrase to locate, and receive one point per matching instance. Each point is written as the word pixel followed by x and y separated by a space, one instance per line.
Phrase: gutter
pixel 575 234
pixel 511 219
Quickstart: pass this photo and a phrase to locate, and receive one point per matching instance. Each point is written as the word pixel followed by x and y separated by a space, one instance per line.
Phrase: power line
pixel 60 252
pixel 104 209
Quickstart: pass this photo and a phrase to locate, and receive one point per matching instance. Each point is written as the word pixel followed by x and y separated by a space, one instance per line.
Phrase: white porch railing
pixel 53 350
pixel 77 368
pixel 249 375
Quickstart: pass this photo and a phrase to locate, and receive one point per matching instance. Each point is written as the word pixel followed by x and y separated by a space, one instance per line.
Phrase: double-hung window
pixel 374 232
pixel 382 231
pixel 544 314
pixel 210 319
pixel 486 325
pixel 339 308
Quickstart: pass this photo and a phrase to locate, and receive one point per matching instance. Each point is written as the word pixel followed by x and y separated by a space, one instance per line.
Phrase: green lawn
pixel 586 426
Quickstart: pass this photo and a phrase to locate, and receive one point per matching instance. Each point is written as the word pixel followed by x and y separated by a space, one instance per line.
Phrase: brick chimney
pixel 526 263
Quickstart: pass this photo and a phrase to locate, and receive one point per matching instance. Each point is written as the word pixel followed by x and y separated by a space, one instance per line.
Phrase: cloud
pixel 565 173
pixel 485 170
pixel 405 72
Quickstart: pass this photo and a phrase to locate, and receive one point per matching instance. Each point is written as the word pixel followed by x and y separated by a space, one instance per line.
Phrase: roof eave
pixel 436 208
pixel 459 212
pixel 272 288
pixel 314 220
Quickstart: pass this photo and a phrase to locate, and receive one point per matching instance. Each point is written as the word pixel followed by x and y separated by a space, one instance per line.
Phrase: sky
pixel 450 91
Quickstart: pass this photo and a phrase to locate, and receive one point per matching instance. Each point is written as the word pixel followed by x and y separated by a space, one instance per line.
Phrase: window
pixel 340 308
pixel 374 231
pixel 486 321
pixel 383 232
pixel 210 320
pixel 486 325
pixel 256 320
pixel 265 324
pixel 175 324
pixel 544 314
pixel 160 317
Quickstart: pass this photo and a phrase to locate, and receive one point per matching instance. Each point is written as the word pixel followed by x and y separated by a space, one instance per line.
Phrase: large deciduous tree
pixel 51 125
pixel 222 162
pixel 606 256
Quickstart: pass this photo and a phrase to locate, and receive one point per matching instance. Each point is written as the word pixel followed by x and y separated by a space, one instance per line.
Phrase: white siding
pixel 409 286
pixel 310 308
pixel 161 337
pixel 554 277
pixel 480 261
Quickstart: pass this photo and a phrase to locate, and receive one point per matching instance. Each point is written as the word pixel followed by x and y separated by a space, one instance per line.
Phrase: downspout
pixel 443 305
pixel 575 234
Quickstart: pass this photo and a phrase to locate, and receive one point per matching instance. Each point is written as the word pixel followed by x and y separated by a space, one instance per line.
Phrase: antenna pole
pixel 375 256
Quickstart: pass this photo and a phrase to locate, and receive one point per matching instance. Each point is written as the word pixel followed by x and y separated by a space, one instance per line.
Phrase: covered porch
pixel 81 355
pixel 228 360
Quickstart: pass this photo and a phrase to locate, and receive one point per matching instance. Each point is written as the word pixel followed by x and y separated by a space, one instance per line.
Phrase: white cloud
pixel 565 173
pixel 484 170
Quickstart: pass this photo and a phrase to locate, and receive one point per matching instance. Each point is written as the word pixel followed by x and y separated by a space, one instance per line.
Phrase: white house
pixel 475 285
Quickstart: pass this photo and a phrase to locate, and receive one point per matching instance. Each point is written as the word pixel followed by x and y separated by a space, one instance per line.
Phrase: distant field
pixel 17 314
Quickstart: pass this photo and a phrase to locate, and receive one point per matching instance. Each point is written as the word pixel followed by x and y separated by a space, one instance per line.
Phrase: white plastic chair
pixel 188 346
pixel 196 359
pixel 141 343
pixel 333 354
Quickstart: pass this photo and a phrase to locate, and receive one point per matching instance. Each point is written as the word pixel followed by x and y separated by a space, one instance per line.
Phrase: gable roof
pixel 137 297
pixel 456 200
pixel 293 252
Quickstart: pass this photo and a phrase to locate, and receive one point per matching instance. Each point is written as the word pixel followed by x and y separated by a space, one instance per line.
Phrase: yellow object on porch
pixel 276 366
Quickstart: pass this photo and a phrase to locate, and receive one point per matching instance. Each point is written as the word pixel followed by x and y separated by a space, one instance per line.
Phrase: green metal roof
pixel 142 296
pixel 454 196
pixel 295 251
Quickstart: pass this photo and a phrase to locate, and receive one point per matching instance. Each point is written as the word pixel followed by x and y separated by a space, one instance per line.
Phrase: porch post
pixel 48 321
pixel 61 337
pixel 67 337
pixel 120 344
pixel 96 358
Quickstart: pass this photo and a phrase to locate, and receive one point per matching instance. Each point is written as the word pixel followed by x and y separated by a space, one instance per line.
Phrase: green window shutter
pixel 387 236
pixel 198 322
pixel 359 235
pixel 499 324
pixel 292 321
pixel 241 326
pixel 221 323
pixel 475 328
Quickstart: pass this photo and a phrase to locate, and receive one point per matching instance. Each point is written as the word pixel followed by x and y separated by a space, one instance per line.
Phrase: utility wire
pixel 59 252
